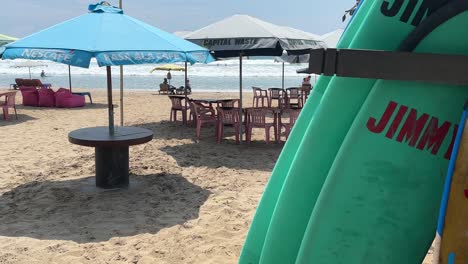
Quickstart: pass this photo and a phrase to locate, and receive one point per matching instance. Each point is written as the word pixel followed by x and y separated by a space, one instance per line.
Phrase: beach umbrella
pixel 4 39
pixel 112 38
pixel 291 59
pixel 182 34
pixel 243 35
pixel 29 65
pixel 168 67
pixel 331 39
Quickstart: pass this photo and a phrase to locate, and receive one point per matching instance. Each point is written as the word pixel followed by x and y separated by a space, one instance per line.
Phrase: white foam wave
pixel 225 68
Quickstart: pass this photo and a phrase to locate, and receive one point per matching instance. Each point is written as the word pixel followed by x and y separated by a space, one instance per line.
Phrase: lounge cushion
pixel 46 97
pixel 64 98
pixel 30 96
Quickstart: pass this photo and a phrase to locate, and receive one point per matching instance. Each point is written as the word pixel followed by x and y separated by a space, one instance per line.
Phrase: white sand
pixel 187 203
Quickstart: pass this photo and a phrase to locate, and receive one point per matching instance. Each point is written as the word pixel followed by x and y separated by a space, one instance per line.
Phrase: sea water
pixel 218 76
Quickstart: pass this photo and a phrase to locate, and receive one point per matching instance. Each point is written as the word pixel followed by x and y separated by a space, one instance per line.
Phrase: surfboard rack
pixel 389 65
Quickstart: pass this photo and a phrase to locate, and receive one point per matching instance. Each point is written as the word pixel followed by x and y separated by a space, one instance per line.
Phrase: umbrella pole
pixel 121 86
pixel 282 85
pixel 121 97
pixel 30 73
pixel 109 100
pixel 69 78
pixel 240 95
pixel 185 90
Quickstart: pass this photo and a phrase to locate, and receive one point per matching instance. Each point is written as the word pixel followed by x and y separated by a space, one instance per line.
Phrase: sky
pixel 21 18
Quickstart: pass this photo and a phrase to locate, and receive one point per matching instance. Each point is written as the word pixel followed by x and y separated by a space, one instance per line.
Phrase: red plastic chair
pixel 178 106
pixel 256 118
pixel 228 117
pixel 292 117
pixel 277 94
pixel 230 103
pixel 9 103
pixel 202 115
pixel 294 93
pixel 259 94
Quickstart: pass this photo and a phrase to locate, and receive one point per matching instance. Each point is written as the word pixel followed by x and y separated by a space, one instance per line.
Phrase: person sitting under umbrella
pixel 170 88
pixel 181 90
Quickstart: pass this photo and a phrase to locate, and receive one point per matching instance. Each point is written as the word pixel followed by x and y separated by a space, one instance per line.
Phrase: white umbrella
pixel 29 65
pixel 332 38
pixel 243 35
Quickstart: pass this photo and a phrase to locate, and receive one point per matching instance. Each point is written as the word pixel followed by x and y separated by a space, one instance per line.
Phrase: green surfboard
pixel 294 217
pixel 259 227
pixel 380 201
pixel 324 136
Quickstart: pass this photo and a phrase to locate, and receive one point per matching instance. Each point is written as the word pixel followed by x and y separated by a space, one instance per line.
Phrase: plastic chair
pixel 177 106
pixel 259 94
pixel 277 94
pixel 294 93
pixel 256 118
pixel 228 117
pixel 9 103
pixel 230 104
pixel 292 117
pixel 165 89
pixel 202 115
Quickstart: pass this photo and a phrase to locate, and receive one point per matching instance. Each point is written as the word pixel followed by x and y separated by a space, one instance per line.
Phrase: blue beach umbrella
pixel 112 38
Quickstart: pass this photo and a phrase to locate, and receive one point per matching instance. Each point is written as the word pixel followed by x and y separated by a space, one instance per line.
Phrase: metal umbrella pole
pixel 69 77
pixel 240 96
pixel 185 92
pixel 110 106
pixel 121 86
pixel 282 79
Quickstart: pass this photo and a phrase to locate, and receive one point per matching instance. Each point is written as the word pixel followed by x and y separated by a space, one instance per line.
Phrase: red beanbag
pixel 46 97
pixel 61 89
pixel 30 96
pixel 64 98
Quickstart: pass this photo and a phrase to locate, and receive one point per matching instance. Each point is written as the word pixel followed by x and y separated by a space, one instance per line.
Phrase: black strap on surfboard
pixel 402 64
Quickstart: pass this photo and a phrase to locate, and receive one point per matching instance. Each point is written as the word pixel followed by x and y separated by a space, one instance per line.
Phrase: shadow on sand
pixel 256 156
pixel 78 211
pixel 12 119
pixel 87 106
pixel 173 130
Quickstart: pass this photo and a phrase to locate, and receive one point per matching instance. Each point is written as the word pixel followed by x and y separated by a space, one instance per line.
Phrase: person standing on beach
pixel 43 74
pixel 169 76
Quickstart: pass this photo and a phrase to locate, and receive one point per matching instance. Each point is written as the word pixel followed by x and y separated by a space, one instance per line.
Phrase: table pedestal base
pixel 112 167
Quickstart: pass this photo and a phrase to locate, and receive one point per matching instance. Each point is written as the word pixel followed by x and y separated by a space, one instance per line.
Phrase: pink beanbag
pixel 30 95
pixel 64 98
pixel 46 97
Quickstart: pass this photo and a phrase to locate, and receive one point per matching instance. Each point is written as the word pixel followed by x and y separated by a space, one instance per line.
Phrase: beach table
pixel 111 151
pixel 211 101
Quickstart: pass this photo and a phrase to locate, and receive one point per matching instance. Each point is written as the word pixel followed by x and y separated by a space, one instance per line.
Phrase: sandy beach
pixel 188 202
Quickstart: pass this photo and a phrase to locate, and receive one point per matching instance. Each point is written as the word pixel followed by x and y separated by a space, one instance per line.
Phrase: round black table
pixel 112 159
